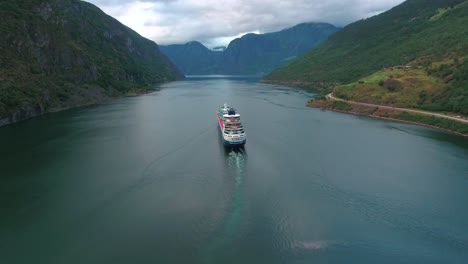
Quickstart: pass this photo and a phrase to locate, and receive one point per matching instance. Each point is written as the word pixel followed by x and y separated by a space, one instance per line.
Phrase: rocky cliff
pixel 56 54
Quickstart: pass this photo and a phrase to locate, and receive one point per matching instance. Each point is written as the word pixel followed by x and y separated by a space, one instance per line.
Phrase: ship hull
pixel 228 143
pixel 234 144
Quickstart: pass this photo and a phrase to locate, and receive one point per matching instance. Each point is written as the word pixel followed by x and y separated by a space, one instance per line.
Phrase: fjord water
pixel 147 180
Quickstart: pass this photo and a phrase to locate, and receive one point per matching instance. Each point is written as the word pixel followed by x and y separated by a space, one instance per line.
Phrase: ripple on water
pixel 315 187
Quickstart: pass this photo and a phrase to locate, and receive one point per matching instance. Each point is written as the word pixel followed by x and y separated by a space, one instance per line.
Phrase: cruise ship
pixel 232 131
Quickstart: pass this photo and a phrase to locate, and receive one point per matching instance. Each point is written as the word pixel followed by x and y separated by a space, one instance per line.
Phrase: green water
pixel 147 180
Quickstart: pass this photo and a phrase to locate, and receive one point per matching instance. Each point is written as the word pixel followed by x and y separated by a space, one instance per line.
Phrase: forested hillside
pixel 56 54
pixel 428 34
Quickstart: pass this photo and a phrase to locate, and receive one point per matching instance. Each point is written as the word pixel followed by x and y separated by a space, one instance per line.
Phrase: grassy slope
pixel 403 89
pixel 426 86
pixel 416 29
pixel 60 53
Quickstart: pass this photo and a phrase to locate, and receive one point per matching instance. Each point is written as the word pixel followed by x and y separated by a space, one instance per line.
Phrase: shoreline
pixel 318 86
pixel 377 111
pixel 35 113
pixel 366 112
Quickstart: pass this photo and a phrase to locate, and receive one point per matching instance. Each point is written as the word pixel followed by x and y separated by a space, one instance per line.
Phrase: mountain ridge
pixel 428 35
pixel 251 53
pixel 348 42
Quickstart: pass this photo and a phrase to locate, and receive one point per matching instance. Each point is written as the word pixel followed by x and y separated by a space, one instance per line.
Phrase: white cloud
pixel 216 22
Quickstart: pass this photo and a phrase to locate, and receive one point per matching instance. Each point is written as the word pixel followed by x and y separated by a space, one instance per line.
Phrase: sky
pixel 217 22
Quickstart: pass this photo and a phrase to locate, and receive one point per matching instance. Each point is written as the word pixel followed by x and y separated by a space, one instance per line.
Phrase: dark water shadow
pixel 430 133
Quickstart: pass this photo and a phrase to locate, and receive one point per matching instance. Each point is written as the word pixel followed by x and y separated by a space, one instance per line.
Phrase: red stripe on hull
pixel 221 125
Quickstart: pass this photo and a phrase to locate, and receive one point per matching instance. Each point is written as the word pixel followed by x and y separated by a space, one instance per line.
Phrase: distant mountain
pixel 62 53
pixel 250 54
pixel 193 57
pixel 430 35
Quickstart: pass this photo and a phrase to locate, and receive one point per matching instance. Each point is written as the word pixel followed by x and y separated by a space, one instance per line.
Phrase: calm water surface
pixel 147 180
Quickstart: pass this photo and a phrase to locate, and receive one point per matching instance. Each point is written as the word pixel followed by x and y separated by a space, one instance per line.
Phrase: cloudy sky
pixel 216 22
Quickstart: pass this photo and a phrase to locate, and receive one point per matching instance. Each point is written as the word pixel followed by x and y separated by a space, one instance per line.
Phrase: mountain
pixel 430 35
pixel 56 54
pixel 250 54
pixel 193 57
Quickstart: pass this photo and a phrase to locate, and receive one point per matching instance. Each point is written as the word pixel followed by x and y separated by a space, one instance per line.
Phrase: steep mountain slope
pixel 397 36
pixel 193 57
pixel 262 53
pixel 62 53
pixel 417 32
pixel 250 54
